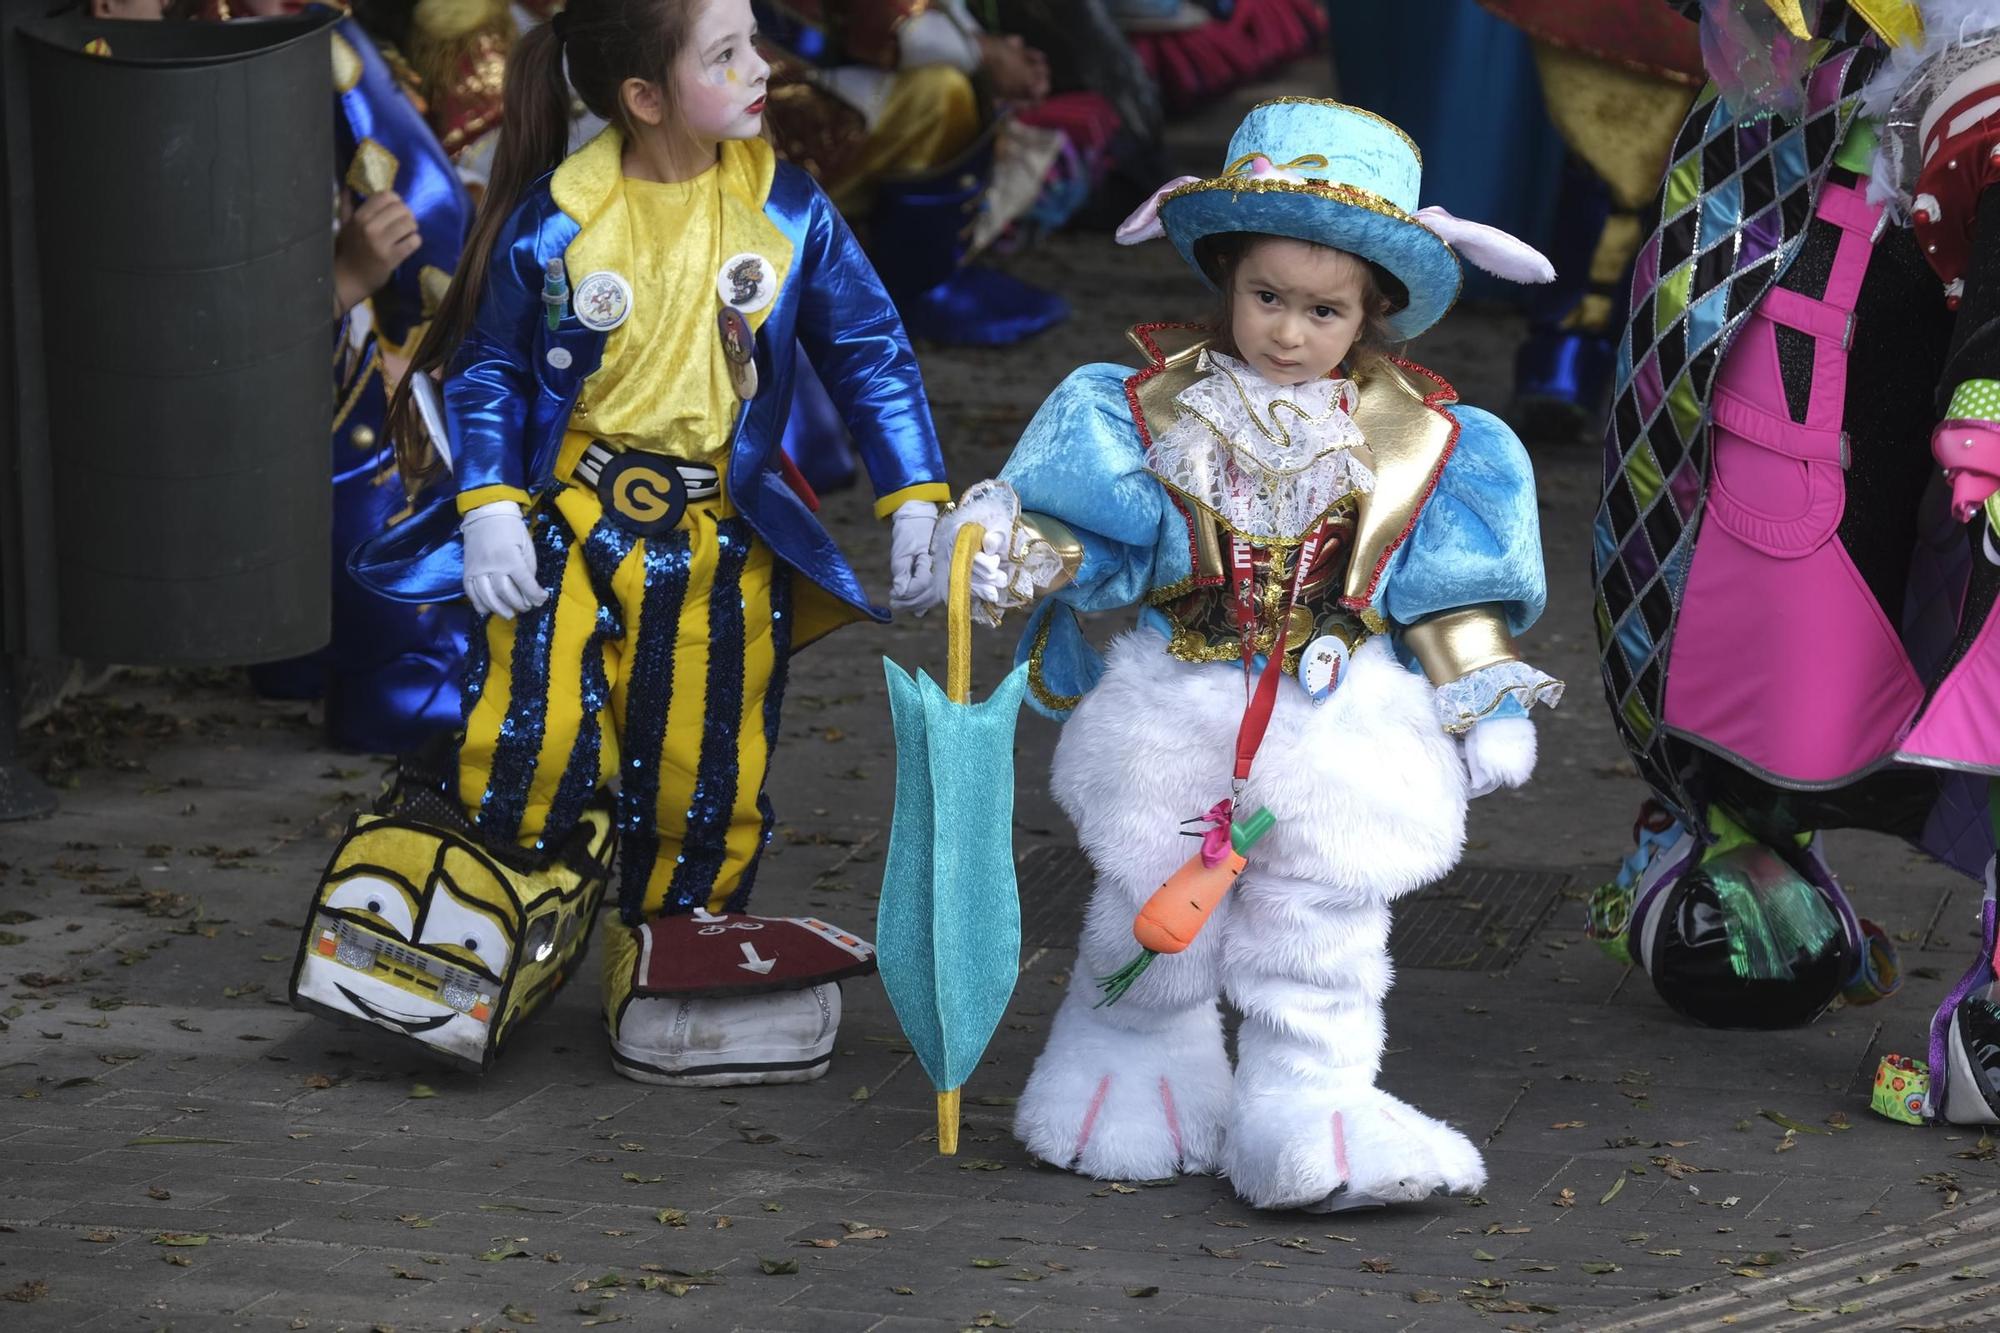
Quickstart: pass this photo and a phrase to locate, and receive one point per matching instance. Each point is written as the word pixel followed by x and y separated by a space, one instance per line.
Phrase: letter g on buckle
pixel 642 495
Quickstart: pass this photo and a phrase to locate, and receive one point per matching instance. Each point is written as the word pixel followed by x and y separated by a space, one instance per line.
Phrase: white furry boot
pixel 1139 1089
pixel 1309 967
pixel 1130 1091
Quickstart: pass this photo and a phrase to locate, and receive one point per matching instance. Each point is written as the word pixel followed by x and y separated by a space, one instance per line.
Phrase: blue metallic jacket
pixel 508 402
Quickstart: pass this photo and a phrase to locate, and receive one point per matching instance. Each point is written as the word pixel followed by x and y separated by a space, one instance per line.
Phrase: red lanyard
pixel 1260 701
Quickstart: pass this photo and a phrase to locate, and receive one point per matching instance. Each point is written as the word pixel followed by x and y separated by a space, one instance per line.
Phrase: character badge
pixel 739 349
pixel 602 301
pixel 1320 666
pixel 747 283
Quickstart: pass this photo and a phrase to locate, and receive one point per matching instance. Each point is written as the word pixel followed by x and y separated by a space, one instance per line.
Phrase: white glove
pixel 500 561
pixel 1002 579
pixel 989 572
pixel 1499 752
pixel 910 529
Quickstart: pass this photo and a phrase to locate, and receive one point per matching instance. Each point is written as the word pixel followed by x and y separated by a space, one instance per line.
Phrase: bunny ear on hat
pixel 1498 252
pixel 1144 223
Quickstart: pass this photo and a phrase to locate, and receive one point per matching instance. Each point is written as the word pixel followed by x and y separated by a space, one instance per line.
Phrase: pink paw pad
pixel 1173 1116
pixel 1090 1116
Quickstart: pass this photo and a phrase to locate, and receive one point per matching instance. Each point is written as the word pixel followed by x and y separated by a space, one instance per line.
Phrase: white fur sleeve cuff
pixel 1478 694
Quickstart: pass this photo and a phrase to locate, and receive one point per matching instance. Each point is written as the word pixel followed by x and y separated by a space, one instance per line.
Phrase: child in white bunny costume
pixel 1285 492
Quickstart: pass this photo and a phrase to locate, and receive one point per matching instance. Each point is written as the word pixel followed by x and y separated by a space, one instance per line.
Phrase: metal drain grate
pixel 1475 920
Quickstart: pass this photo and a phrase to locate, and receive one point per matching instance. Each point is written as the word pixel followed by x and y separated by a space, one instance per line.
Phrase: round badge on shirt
pixel 747 283
pixel 602 301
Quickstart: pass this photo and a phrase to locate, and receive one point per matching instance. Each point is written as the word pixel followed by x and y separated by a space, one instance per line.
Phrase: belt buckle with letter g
pixel 642 494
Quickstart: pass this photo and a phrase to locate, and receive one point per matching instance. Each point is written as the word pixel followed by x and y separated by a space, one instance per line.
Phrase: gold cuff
pixel 1042 528
pixel 1453 644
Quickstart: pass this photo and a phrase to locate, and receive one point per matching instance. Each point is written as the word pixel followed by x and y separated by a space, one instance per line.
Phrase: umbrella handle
pixel 958 615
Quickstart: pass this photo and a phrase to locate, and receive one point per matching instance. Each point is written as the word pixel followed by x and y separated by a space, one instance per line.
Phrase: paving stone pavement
pixel 178 1148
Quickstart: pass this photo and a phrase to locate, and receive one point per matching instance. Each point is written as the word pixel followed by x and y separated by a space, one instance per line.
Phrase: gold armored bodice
pixel 1202 610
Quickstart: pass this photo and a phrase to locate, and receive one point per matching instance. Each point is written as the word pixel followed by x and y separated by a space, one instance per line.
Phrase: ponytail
pixel 605 42
pixel 534 137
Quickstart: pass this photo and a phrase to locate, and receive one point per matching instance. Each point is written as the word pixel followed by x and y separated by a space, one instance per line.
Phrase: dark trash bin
pixel 183 201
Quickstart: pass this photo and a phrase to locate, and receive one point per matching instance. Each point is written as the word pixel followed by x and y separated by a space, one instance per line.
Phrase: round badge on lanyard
pixel 602 301
pixel 1320 666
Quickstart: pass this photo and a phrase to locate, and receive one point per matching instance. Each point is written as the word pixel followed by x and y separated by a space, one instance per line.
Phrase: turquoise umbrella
pixel 948 932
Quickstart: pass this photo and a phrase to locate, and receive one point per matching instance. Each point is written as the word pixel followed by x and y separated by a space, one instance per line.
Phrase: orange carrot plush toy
pixel 1179 908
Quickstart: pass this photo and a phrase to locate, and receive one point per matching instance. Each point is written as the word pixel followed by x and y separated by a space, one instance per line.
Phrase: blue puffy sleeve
pixel 1470 577
pixel 490 387
pixel 850 329
pixel 1081 463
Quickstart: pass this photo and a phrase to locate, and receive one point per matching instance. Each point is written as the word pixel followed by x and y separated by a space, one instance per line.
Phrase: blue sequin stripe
pixel 505 800
pixel 649 687
pixel 774 702
pixel 604 550
pixel 704 845
pixel 472 684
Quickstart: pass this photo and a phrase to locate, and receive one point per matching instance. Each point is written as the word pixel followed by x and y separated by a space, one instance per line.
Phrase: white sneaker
pixel 714 1001
pixel 778 1037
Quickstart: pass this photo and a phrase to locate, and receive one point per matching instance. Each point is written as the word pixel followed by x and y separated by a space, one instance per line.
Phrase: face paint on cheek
pixel 731 77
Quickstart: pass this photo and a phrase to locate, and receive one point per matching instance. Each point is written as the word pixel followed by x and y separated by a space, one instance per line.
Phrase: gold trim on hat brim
pixel 1342 194
pixel 1350 195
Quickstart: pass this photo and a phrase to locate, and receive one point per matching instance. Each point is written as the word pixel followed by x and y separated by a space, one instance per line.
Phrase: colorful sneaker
pixel 1737 934
pixel 1965 1034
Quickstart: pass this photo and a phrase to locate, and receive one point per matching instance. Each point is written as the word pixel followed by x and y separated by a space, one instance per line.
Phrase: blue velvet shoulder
pixel 1479 539
pixel 1081 461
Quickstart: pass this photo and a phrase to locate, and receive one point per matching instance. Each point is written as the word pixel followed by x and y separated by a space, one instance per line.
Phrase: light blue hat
pixel 1323 171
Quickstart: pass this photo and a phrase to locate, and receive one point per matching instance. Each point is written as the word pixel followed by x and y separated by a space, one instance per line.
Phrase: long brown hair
pixel 1381 294
pixel 606 42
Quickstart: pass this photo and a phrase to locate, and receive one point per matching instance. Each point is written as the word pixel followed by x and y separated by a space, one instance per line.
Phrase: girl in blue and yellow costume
pixel 1332 557
pixel 617 357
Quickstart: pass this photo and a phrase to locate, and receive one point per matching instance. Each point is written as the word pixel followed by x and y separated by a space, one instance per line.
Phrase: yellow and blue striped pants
pixel 656 662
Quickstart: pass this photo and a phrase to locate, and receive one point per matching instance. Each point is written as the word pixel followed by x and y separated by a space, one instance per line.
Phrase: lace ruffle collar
pixel 1269 459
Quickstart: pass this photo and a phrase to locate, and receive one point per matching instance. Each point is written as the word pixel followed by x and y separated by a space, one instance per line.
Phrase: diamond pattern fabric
pixel 1733 210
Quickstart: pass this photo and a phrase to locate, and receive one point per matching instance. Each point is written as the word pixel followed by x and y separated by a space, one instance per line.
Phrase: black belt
pixel 644 493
